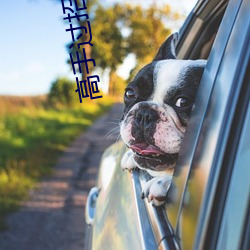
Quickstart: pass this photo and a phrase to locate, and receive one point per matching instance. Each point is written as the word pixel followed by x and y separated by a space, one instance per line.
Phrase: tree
pixel 109 48
pixel 122 29
pixel 83 22
pixel 119 30
pixel 148 32
pixel 116 85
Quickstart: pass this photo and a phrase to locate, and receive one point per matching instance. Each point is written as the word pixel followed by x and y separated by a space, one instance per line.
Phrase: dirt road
pixel 53 218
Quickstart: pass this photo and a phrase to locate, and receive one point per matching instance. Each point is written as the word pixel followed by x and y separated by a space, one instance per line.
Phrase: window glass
pixel 236 206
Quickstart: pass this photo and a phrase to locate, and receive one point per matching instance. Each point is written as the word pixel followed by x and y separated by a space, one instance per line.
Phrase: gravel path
pixel 53 218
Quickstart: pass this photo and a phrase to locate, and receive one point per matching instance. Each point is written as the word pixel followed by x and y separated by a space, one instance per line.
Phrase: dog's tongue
pixel 145 149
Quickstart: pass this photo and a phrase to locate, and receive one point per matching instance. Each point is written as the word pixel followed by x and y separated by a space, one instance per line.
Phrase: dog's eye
pixel 183 102
pixel 130 94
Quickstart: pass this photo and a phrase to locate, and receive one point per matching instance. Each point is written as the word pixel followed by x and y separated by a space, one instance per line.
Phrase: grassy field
pixel 31 138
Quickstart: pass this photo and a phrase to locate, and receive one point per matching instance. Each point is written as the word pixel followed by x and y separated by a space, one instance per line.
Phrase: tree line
pixel 119 30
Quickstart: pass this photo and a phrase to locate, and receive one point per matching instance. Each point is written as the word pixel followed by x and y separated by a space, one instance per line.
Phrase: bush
pixel 62 93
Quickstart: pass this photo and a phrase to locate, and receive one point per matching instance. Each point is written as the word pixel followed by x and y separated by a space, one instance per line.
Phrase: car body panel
pixel 117 224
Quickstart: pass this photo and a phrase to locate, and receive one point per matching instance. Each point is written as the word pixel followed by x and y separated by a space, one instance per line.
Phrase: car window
pixel 165 223
pixel 199 31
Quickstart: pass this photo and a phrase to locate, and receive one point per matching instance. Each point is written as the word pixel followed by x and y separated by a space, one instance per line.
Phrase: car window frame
pixel 239 108
pixel 195 124
pixel 162 227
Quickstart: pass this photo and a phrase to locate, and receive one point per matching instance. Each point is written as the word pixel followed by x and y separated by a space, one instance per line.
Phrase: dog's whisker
pixel 111 136
pixel 115 121
pixel 116 129
pixel 112 132
pixel 118 138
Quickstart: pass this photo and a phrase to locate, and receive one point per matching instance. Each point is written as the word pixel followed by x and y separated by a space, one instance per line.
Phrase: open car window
pixel 198 33
pixel 196 41
pixel 203 23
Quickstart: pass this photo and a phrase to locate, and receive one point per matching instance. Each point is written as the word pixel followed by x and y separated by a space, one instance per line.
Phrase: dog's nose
pixel 145 117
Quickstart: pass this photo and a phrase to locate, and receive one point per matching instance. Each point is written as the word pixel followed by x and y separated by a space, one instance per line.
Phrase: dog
pixel 158 102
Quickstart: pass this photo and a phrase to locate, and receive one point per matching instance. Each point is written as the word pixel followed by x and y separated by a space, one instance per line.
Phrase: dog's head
pixel 158 102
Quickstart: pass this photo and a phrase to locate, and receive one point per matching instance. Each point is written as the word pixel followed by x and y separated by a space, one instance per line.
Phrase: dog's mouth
pixel 149 152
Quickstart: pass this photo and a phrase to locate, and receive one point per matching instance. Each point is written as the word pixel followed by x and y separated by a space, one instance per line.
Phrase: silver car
pixel 208 203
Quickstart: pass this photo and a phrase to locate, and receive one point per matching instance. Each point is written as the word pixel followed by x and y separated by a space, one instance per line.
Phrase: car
pixel 208 204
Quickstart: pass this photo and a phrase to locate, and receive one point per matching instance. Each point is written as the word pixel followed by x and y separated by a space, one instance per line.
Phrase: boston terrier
pixel 158 102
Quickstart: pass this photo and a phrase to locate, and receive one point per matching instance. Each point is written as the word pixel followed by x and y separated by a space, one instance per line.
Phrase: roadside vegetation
pixel 34 132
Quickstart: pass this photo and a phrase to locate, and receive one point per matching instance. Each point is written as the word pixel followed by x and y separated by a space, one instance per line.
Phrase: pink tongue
pixel 145 149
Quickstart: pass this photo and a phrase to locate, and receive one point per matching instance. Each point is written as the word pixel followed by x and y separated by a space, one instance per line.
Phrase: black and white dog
pixel 158 103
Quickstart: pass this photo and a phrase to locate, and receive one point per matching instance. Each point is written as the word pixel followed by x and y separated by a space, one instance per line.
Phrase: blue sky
pixel 32 45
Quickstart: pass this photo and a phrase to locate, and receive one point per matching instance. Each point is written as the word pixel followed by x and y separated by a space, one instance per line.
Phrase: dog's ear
pixel 167 49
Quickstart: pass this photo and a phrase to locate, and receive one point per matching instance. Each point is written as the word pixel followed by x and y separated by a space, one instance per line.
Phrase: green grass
pixel 31 140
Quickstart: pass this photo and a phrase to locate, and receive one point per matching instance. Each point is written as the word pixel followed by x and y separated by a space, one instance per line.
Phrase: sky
pixel 32 45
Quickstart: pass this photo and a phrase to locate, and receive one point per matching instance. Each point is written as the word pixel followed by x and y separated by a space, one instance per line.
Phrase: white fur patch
pixel 169 73
pixel 125 131
pixel 168 138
